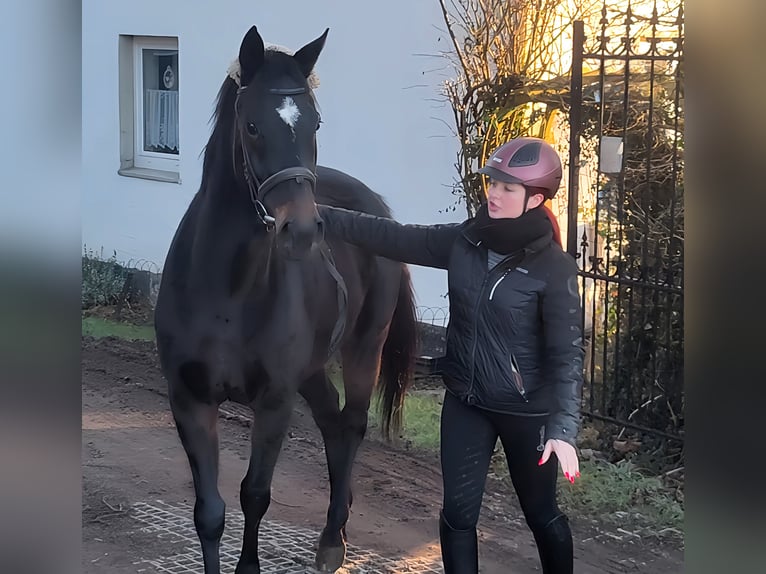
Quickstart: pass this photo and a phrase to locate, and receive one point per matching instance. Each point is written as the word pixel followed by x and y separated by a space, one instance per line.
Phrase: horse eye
pixel 251 129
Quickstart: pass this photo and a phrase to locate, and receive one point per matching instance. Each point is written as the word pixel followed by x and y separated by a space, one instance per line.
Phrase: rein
pixel 340 324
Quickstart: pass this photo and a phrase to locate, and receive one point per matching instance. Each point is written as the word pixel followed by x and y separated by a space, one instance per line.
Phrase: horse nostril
pixel 286 227
pixel 299 235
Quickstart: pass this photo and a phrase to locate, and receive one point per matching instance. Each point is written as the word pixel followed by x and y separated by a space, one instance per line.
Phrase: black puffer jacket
pixel 514 333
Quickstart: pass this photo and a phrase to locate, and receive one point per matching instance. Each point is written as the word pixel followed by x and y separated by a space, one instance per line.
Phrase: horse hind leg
pixel 197 425
pixel 361 366
pixel 322 398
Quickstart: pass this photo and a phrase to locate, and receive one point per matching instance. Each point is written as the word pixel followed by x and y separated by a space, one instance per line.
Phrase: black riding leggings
pixel 468 438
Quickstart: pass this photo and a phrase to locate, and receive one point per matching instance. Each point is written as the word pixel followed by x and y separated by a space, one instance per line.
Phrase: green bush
pixel 102 279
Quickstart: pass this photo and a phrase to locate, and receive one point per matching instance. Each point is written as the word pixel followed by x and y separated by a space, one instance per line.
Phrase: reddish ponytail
pixel 555 224
pixel 531 190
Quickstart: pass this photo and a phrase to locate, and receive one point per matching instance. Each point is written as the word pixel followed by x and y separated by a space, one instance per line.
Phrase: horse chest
pixel 242 352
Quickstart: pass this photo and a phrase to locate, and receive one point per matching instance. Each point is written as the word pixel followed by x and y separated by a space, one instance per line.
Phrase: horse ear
pixel 250 55
pixel 308 55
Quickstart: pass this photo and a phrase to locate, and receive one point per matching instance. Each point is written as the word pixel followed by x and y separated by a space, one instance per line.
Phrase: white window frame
pixel 134 160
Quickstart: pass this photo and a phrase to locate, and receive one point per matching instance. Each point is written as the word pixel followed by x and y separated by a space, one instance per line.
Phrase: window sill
pixel 152 174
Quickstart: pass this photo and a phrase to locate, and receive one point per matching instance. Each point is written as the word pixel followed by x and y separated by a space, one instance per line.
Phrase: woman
pixel 513 364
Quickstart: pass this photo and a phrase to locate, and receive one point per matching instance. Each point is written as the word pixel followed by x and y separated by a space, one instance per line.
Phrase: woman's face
pixel 506 200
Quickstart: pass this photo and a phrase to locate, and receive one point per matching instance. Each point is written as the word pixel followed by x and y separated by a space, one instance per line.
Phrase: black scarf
pixel 508 235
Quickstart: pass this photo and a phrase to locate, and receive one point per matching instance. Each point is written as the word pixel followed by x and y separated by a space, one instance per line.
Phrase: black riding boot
pixel 554 543
pixel 460 550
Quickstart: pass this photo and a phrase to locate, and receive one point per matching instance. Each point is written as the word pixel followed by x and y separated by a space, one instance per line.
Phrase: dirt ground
pixel 131 455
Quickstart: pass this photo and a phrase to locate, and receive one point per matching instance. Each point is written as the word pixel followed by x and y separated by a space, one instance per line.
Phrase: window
pixel 149 118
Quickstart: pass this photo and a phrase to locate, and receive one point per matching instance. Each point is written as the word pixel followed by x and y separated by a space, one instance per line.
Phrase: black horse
pixel 254 301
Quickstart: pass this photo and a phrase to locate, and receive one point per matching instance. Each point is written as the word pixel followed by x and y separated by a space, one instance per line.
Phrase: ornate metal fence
pixel 626 121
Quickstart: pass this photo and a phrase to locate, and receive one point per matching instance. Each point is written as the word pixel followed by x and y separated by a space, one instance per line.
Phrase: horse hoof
pixel 330 559
pixel 247 569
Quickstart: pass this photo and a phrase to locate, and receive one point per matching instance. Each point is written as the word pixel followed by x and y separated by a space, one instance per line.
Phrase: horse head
pixel 275 139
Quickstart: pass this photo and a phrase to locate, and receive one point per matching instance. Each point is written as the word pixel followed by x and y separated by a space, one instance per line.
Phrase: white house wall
pixel 385 121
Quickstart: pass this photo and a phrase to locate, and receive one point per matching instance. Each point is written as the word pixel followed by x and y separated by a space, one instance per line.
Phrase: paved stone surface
pixel 284 549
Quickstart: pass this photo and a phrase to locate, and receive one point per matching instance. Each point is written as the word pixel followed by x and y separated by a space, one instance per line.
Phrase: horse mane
pixel 222 119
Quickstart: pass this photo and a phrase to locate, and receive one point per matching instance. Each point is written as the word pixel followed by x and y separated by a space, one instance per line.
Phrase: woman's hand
pixel 567 456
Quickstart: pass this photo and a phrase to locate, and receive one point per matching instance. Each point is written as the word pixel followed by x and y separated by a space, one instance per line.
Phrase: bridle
pixel 259 189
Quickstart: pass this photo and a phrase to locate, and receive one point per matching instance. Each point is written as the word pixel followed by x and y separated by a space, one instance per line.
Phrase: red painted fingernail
pixel 578 474
pixel 539 462
pixel 567 475
pixel 571 479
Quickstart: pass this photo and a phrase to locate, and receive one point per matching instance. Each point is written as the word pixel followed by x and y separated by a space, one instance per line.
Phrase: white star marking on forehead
pixel 289 112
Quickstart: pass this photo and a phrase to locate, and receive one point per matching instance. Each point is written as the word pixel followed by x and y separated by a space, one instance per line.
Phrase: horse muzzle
pixel 297 236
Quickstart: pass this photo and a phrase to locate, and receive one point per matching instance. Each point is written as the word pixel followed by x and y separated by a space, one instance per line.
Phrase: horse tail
pixel 398 357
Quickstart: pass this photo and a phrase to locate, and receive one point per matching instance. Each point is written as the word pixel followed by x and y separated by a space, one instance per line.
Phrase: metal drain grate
pixel 284 549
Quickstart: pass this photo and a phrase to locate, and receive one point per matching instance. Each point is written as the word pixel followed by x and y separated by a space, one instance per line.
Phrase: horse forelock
pixel 234 70
pixel 233 77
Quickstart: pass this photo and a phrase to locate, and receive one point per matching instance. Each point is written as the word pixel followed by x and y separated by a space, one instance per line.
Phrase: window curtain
pixel 161 119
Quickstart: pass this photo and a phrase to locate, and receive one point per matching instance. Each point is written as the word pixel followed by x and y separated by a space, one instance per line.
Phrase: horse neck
pixel 232 251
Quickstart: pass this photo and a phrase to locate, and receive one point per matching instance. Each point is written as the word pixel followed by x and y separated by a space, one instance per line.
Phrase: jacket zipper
pixel 517 379
pixel 469 397
pixel 476 306
pixel 515 372
pixel 492 292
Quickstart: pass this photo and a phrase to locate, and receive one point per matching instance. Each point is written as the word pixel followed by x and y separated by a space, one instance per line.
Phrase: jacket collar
pixel 538 244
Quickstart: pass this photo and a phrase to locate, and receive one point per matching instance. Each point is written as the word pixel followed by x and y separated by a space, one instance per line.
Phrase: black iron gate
pixel 626 182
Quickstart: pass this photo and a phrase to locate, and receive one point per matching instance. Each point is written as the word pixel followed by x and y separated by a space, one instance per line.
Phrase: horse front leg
pixel 197 425
pixel 271 419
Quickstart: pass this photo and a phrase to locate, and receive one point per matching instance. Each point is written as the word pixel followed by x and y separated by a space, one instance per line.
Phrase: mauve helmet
pixel 529 161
